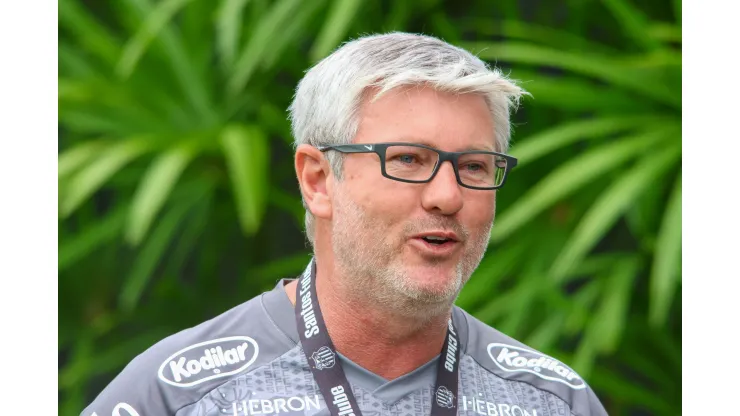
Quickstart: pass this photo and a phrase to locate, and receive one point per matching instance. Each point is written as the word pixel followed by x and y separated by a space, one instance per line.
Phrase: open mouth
pixel 436 240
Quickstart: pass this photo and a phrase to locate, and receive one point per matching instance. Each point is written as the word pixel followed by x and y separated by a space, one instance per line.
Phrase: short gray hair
pixel 325 108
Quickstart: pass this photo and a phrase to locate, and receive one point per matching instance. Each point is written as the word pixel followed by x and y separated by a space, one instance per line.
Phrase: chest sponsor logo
pixel 516 359
pixel 485 408
pixel 296 405
pixel 208 360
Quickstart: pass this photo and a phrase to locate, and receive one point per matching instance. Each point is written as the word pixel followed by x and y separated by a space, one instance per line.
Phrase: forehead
pixel 420 114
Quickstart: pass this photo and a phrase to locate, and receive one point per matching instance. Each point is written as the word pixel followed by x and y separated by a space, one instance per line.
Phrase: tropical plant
pixel 178 197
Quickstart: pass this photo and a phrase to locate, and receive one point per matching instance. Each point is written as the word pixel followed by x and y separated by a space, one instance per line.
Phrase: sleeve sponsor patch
pixel 516 359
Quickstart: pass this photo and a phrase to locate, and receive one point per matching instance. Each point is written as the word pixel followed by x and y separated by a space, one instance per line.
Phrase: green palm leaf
pixel 90 34
pixel 154 20
pixel 149 30
pixel 568 178
pixel 154 189
pixel 88 180
pixel 73 159
pixel 547 141
pixel 341 14
pixel 228 29
pixel 666 268
pixel 610 205
pixel 634 23
pixel 153 249
pixel 599 67
pixel 267 31
pixel 246 151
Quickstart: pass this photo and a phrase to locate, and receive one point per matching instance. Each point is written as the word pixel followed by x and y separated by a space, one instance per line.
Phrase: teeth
pixel 430 237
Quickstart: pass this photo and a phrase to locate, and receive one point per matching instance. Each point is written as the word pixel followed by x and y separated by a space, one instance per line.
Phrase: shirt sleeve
pixel 134 392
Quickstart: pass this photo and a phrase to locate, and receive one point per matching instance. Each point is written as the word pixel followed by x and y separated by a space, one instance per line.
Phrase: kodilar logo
pixel 516 359
pixel 208 360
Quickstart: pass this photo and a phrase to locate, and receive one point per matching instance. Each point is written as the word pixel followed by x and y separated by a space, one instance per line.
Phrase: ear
pixel 313 173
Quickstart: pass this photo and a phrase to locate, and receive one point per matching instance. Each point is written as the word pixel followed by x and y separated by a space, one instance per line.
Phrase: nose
pixel 443 195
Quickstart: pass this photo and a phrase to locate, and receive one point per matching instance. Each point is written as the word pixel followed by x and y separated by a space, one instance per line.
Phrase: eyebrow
pixel 418 140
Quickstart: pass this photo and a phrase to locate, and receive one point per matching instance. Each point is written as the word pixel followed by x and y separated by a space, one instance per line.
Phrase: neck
pixel 387 344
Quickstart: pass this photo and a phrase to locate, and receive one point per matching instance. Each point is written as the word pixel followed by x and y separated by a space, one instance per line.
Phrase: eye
pixel 475 167
pixel 407 158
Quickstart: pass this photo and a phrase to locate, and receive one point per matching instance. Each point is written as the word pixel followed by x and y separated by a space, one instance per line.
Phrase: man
pixel 400 150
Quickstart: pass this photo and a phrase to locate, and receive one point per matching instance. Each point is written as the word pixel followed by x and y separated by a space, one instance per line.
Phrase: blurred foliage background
pixel 178 198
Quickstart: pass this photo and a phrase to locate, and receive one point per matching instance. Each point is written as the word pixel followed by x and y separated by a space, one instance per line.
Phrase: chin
pixel 431 282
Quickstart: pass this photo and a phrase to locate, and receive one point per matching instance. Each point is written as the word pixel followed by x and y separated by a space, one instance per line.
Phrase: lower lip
pixel 444 249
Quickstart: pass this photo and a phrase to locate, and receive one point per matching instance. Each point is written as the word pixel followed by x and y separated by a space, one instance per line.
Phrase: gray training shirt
pixel 248 361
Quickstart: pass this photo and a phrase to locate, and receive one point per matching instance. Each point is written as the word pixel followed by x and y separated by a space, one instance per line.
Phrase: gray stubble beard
pixel 379 280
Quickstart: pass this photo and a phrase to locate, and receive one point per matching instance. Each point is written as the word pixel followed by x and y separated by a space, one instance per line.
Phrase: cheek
pixel 387 205
pixel 480 210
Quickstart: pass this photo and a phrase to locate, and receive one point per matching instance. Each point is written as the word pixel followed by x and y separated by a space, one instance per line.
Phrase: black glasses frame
pixel 452 157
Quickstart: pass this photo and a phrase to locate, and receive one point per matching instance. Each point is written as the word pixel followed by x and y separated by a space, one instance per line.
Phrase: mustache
pixel 437 224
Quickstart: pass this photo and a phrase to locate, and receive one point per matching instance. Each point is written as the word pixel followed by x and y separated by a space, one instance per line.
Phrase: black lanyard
pixel 328 372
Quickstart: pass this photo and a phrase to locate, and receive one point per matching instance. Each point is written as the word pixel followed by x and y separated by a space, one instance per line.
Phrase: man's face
pixel 378 223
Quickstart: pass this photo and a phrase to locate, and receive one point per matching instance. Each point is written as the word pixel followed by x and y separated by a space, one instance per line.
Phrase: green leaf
pixel 269 28
pixel 543 143
pixel 228 29
pixel 643 216
pixel 247 157
pixel 335 27
pixel 151 253
pixel 155 26
pixel 70 90
pixel 78 365
pixel 610 206
pixel 665 32
pixel 583 95
pixel 88 33
pixel 547 333
pixel 296 30
pixel 584 357
pixel 607 324
pixel 284 267
pixel 156 20
pixel 634 23
pixel 73 159
pixel 627 390
pixel 72 63
pixel 530 288
pixel 677 4
pixel 599 67
pixel 484 280
pixel 197 221
pixel 87 181
pixel 290 204
pixel 581 306
pixel 535 33
pixel 398 16
pixel 660 59
pixel 632 355
pixel 667 262
pixel 154 189
pixel 568 178
pixel 85 241
pixel 444 27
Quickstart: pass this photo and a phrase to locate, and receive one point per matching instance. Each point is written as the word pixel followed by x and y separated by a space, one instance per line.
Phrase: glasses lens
pixel 482 170
pixel 410 162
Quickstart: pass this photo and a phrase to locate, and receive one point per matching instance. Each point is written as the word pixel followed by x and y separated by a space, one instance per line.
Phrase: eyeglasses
pixel 417 163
